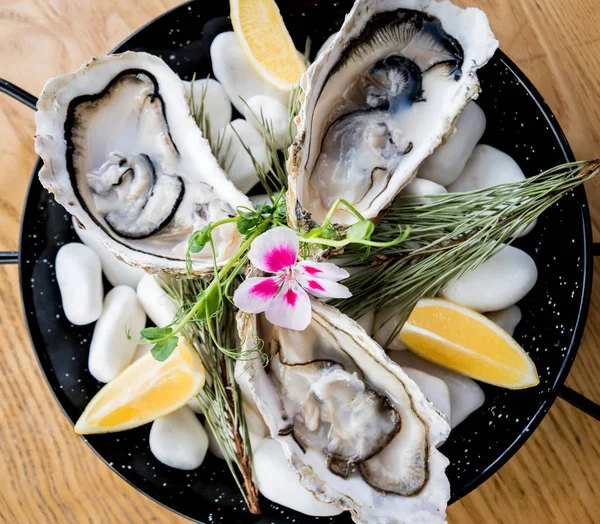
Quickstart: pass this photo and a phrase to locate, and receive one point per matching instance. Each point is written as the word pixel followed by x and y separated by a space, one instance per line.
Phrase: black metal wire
pixel 580 402
pixel 12 257
pixel 9 257
pixel 17 93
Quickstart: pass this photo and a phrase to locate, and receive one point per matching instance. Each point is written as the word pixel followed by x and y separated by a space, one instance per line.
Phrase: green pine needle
pixel 220 400
pixel 449 236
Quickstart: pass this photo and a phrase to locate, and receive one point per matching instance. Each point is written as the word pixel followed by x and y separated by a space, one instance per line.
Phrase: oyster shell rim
pixel 53 106
pixel 437 426
pixel 449 15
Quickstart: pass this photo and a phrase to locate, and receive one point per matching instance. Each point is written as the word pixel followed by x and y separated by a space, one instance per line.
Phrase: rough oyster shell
pixel 331 396
pixel 124 155
pixel 379 100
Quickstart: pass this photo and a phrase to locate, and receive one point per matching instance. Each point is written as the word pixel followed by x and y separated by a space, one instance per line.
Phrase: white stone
pixel 280 484
pixel 79 276
pixel 507 319
pixel 419 188
pixel 232 68
pixel 254 422
pixel 434 389
pixel 159 306
pixel 260 200
pixel 117 272
pixel 447 162
pixel 240 167
pixel 265 109
pixel 498 283
pixel 465 394
pixel 488 167
pixel 367 321
pixel 179 440
pixel 110 351
pixel 216 103
pixel 194 405
pixel 383 334
pixel 141 351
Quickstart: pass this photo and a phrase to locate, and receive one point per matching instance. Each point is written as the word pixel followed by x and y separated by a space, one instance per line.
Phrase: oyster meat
pixel 124 155
pixel 379 100
pixel 355 428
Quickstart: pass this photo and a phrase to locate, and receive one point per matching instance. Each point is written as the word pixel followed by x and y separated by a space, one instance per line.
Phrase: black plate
pixel 554 313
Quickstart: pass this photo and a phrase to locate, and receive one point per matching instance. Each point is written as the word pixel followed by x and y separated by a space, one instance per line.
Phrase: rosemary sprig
pixel 220 399
pixel 450 235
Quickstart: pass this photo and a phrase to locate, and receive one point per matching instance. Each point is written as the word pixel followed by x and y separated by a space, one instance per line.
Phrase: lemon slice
pixel 461 339
pixel 146 390
pixel 266 42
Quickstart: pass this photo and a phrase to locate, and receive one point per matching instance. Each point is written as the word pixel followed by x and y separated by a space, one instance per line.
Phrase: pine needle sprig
pixel 449 236
pixel 220 399
pixel 218 145
pixel 273 174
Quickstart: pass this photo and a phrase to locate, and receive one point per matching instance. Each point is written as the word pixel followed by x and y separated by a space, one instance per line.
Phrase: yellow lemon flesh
pixel 266 42
pixel 146 390
pixel 461 339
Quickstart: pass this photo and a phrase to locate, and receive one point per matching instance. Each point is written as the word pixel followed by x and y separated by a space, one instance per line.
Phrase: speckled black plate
pixel 554 313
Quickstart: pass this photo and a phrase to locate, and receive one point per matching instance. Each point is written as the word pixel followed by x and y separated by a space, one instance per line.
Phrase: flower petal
pixel 255 294
pixel 323 270
pixel 323 287
pixel 274 250
pixel 290 308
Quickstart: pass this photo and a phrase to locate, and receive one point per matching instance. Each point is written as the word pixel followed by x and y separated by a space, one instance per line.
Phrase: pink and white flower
pixel 283 297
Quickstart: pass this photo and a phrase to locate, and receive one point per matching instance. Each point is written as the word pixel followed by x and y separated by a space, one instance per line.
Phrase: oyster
pixel 124 155
pixel 379 100
pixel 358 431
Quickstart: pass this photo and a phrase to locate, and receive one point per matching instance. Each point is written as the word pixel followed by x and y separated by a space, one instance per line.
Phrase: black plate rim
pixel 584 304
pixel 551 396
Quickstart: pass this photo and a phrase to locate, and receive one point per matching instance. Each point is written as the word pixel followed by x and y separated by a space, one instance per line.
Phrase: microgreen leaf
pixel 244 225
pixel 199 239
pixel 246 213
pixel 322 232
pixel 210 302
pixel 162 351
pixel 362 230
pixel 264 209
pixel 328 233
pixel 156 333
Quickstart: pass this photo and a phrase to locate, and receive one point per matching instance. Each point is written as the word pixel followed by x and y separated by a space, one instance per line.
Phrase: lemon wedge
pixel 266 42
pixel 144 391
pixel 461 339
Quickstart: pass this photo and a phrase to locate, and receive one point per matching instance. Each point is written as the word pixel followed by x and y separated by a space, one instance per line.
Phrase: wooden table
pixel 48 474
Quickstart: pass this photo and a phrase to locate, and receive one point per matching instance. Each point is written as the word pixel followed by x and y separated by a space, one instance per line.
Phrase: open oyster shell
pixel 124 155
pixel 356 429
pixel 379 101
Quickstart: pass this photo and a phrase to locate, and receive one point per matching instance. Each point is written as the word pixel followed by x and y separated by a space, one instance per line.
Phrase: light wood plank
pixel 47 474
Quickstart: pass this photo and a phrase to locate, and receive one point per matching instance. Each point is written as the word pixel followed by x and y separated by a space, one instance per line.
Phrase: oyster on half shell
pixel 124 155
pixel 354 427
pixel 379 100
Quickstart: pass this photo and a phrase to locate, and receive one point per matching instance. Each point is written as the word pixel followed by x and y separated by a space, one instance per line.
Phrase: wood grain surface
pixel 48 474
